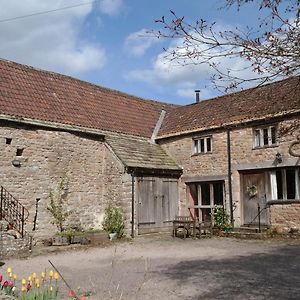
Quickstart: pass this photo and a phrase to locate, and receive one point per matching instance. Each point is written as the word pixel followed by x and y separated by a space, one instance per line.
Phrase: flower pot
pixel 113 236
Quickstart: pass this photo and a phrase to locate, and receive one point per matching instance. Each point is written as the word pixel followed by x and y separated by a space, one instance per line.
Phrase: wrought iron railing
pixel 12 211
pixel 259 211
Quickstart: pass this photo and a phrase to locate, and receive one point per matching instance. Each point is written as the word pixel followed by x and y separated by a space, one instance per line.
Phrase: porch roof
pixel 140 153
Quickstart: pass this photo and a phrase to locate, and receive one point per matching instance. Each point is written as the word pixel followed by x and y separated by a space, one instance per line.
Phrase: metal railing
pixel 259 211
pixel 12 211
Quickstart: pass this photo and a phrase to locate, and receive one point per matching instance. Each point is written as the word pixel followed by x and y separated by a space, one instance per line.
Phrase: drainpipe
pixel 229 177
pixel 132 204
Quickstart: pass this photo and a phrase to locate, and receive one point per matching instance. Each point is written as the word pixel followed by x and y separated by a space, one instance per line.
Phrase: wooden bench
pixel 184 223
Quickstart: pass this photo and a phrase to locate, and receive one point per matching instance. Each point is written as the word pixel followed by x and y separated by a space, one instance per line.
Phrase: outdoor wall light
pixel 16 163
pixel 278 158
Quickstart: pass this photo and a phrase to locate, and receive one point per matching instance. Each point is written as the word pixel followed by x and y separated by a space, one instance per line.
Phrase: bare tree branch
pixel 271 51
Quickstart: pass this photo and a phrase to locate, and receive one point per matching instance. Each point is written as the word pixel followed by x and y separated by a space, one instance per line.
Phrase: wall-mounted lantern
pixel 278 158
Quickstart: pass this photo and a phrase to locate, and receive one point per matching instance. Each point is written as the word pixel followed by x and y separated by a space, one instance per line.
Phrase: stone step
pixel 250 229
pixel 246 235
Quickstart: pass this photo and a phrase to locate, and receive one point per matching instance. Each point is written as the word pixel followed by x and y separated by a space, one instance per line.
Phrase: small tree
pixel 57 202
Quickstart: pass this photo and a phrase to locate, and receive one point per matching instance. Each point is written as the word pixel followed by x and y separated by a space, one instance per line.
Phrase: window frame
pixel 259 136
pixel 273 182
pixel 197 145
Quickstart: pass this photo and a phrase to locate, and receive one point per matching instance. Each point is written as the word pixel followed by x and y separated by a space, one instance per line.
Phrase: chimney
pixel 197 96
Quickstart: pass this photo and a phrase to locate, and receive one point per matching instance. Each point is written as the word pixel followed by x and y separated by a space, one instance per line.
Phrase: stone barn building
pixel 153 160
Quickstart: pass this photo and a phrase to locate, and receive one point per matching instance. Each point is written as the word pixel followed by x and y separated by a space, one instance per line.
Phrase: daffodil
pixel 24 288
pixel 10 275
pixel 51 274
pixel 51 288
pixel 29 278
pixel 24 281
pixel 9 270
pixel 34 275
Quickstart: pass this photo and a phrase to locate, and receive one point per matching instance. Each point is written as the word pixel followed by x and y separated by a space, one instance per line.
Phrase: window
pixel 265 137
pixel 285 184
pixel 204 196
pixel 203 145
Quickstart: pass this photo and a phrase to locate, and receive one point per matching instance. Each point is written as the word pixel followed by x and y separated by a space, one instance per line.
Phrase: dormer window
pixel 202 145
pixel 265 137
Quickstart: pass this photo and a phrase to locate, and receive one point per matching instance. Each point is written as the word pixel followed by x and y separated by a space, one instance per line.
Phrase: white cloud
pixel 137 43
pixel 186 77
pixel 111 7
pixel 49 41
pixel 166 72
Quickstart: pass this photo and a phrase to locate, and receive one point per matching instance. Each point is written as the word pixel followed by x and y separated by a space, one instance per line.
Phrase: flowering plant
pixel 35 287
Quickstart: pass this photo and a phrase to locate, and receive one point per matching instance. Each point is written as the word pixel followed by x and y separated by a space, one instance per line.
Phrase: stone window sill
pixel 292 201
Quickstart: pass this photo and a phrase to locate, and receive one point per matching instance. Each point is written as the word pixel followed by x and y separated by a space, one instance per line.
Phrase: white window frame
pixel 200 206
pixel 258 137
pixel 197 144
pixel 273 185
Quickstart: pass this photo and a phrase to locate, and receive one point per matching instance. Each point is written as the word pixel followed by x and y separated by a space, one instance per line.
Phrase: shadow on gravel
pixel 273 275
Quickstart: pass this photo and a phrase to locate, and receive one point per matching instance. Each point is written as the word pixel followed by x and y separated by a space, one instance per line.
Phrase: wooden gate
pixel 257 182
pixel 157 200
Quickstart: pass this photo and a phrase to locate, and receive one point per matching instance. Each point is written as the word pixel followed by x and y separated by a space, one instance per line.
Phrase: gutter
pixel 53 125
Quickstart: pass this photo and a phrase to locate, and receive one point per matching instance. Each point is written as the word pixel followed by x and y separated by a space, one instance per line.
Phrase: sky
pixel 104 42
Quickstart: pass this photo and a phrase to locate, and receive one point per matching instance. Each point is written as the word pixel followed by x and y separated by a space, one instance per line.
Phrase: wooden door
pixel 169 201
pixel 157 203
pixel 250 202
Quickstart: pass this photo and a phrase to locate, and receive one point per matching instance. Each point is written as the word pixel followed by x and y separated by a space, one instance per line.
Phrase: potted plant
pixel 113 222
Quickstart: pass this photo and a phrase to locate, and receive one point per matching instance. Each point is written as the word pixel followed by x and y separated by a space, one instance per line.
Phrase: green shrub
pixel 113 220
pixel 220 217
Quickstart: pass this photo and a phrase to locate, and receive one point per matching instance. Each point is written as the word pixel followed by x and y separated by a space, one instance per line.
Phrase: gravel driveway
pixel 159 267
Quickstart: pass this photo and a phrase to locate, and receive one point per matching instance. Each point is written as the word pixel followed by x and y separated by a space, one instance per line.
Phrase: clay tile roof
pixel 138 152
pixel 265 102
pixel 26 92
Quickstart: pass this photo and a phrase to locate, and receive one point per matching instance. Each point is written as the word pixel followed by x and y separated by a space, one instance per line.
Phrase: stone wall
pixel 285 215
pixel 117 186
pixel 243 157
pixel 92 174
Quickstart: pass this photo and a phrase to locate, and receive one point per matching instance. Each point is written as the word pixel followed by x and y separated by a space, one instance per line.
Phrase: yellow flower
pixel 43 276
pixel 56 276
pixel 51 288
pixel 24 281
pixel 29 278
pixel 51 274
pixel 34 275
pixel 10 275
pixel 9 270
pixel 23 289
pixel 37 282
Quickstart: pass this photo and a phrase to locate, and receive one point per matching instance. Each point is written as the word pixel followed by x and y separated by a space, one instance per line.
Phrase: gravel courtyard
pixel 159 267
